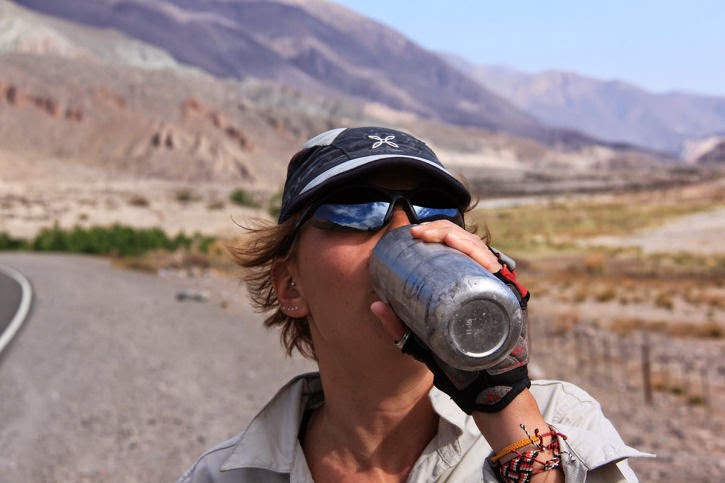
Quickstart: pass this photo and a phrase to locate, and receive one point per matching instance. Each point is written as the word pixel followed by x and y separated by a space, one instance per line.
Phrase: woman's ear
pixel 290 297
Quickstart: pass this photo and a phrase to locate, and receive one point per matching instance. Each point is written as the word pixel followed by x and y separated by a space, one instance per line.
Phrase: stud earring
pixel 292 283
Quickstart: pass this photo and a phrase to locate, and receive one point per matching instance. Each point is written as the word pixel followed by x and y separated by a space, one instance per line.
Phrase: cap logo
pixel 380 141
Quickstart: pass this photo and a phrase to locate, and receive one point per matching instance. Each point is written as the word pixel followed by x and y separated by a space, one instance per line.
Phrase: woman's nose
pixel 399 218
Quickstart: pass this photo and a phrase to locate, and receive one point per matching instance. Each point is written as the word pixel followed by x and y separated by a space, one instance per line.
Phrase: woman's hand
pixel 487 390
pixel 443 231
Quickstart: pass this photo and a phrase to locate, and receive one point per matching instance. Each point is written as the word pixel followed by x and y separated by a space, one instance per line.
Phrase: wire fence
pixel 650 364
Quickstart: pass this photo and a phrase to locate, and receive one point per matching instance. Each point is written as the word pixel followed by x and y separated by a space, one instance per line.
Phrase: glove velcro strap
pixel 503 389
pixel 479 391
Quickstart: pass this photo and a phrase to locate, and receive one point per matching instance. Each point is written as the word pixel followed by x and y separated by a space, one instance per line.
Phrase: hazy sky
pixel 660 45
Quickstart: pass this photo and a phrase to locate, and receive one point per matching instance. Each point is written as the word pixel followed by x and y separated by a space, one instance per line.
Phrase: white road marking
pixel 23 307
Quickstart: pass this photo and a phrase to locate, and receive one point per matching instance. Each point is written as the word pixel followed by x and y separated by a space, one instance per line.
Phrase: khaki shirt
pixel 269 449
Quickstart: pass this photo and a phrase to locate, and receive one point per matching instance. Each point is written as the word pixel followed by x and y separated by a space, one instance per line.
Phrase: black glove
pixel 487 390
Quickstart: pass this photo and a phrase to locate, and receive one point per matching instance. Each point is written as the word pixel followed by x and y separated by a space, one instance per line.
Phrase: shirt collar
pixel 270 441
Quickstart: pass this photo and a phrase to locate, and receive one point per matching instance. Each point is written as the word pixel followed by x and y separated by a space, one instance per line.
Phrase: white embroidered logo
pixel 380 141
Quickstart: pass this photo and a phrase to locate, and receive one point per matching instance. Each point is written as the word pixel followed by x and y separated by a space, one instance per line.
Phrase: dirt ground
pixel 27 206
pixel 701 233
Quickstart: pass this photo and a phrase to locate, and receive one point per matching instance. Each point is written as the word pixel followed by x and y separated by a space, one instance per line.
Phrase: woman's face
pixel 330 270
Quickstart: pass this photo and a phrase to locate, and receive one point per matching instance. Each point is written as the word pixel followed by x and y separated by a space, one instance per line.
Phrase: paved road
pixel 15 300
pixel 113 379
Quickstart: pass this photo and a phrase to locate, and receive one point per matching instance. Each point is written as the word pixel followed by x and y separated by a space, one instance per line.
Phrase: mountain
pixel 709 151
pixel 313 46
pixel 98 98
pixel 612 110
pixel 81 102
pixel 22 31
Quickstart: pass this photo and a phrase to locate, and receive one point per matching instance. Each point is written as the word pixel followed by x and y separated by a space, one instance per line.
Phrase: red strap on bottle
pixel 510 276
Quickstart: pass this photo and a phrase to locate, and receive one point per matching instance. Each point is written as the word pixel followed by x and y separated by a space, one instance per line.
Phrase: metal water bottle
pixel 463 313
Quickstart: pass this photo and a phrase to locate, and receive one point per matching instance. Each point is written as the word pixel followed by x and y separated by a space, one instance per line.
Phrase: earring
pixel 290 308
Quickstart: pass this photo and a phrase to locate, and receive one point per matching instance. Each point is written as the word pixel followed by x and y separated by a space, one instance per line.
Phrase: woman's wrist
pixel 521 438
pixel 504 427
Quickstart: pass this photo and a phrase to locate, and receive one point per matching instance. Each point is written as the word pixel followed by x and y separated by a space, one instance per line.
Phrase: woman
pixel 373 412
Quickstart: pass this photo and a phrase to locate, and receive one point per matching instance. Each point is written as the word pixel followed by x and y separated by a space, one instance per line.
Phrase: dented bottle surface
pixel 463 313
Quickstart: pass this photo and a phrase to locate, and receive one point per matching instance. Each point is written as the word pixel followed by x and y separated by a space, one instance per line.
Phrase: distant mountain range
pixel 611 110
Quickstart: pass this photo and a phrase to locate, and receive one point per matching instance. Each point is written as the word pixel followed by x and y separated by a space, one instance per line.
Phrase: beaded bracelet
pixel 517 445
pixel 528 440
pixel 520 468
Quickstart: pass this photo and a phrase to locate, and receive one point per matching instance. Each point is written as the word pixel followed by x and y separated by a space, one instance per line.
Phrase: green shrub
pixel 186 196
pixel 241 197
pixel 116 240
pixel 9 243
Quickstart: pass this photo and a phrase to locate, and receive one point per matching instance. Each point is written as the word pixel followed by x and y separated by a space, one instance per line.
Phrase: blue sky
pixel 658 45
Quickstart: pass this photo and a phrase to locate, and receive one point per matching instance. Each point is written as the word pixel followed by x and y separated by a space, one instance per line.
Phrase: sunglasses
pixel 369 209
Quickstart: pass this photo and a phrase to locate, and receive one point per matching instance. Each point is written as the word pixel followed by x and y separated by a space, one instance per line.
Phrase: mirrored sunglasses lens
pixel 431 214
pixel 347 216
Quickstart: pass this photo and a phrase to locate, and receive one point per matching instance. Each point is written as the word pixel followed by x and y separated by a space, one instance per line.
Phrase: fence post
pixel 705 389
pixel 578 353
pixel 646 370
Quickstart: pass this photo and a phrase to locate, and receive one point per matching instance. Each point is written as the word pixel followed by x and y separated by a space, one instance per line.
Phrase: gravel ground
pixel 113 380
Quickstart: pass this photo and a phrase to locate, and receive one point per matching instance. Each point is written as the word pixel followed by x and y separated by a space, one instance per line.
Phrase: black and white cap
pixel 339 155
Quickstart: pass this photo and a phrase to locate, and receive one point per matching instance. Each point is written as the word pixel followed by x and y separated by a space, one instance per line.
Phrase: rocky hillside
pixel 317 47
pixel 103 99
pixel 158 123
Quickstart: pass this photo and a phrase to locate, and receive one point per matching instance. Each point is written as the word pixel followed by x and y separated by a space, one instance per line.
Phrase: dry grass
pixel 688 305
pixel 706 330
pixel 191 261
pixel 557 225
pixel 624 290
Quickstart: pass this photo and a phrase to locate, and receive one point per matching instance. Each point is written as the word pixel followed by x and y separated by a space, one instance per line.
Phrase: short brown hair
pixel 262 244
